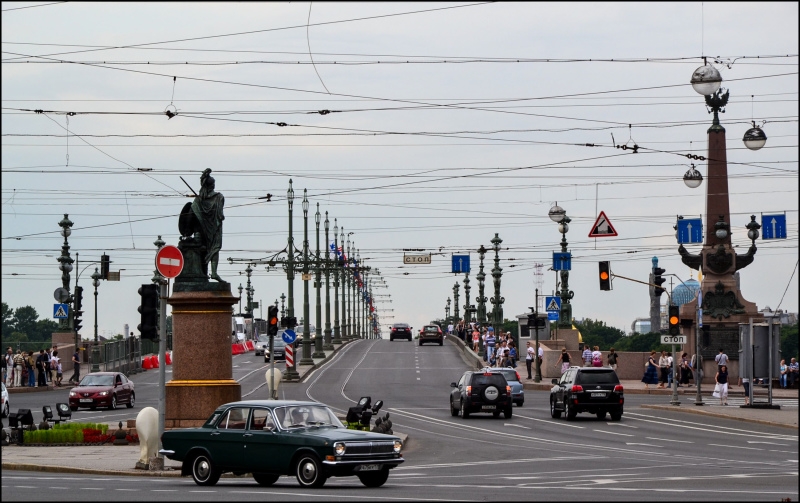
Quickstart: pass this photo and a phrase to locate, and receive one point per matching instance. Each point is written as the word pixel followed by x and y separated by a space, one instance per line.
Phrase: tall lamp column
pixel 337 336
pixel 319 337
pixel 306 360
pixel 96 346
pixel 291 372
pixel 327 344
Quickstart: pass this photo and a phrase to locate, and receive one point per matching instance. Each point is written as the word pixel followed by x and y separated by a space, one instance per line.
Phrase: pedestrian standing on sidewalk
pixel 697 369
pixel 489 343
pixel 587 356
pixel 721 388
pixel 476 339
pixel 663 367
pixel 721 359
pixel 30 363
pixel 670 372
pixel 685 370
pixel 529 352
pixel 612 359
pixel 19 362
pixel 744 381
pixel 76 368
pixel 41 367
pixel 784 377
pixel 650 371
pixel 563 360
pixel 9 367
pixel 55 363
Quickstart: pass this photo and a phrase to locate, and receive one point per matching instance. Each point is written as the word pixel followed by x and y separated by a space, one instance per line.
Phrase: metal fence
pixel 126 355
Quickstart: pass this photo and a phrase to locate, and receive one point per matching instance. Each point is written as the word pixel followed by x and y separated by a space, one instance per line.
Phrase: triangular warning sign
pixel 60 313
pixel 602 227
pixel 552 306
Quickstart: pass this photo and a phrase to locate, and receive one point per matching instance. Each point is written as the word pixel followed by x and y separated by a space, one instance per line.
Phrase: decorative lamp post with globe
pixel 96 346
pixel 559 215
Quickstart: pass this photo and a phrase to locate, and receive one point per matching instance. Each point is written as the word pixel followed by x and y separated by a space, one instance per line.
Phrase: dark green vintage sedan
pixel 270 438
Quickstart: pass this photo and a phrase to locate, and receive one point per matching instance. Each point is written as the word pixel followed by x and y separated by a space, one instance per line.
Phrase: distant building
pixel 641 326
pixel 786 318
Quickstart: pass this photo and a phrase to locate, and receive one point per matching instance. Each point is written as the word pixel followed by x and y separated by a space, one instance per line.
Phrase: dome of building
pixel 685 292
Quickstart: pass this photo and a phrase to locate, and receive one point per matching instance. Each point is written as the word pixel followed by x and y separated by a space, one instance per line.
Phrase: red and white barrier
pixel 289 355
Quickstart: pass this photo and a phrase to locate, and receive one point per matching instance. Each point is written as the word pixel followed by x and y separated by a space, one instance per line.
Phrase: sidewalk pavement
pixel 113 459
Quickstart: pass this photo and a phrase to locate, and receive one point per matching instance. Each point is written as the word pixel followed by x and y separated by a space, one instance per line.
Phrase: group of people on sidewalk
pixel 32 370
pixel 789 373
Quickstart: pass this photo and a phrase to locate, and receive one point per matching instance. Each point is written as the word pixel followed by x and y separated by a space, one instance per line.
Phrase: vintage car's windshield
pixel 302 416
pixel 91 380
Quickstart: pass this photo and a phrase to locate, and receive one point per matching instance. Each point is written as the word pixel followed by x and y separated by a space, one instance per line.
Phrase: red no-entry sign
pixel 169 261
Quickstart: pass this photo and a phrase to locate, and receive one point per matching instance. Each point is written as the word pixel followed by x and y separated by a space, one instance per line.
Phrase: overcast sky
pixel 448 123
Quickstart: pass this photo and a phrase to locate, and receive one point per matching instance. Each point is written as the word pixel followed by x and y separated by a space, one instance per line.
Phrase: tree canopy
pixel 22 328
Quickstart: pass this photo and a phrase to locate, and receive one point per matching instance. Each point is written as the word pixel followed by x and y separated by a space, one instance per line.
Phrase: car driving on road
pixel 595 390
pixel 431 333
pixel 400 331
pixel 102 389
pixel 270 438
pixel 513 379
pixel 481 392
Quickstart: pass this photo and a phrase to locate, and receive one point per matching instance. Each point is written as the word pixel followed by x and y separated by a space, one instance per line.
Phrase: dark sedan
pixel 595 390
pixel 270 438
pixel 102 389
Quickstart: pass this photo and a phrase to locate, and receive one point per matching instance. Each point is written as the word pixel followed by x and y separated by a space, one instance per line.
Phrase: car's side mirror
pixel 453 385
pixel 554 381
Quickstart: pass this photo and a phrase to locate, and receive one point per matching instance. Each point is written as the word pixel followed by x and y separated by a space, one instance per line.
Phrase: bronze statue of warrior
pixel 204 216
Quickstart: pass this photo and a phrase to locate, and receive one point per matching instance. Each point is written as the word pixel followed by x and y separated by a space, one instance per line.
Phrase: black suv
pixel 400 331
pixel 587 389
pixel 481 392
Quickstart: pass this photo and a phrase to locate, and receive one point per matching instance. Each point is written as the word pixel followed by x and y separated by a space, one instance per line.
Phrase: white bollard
pixel 147 429
pixel 273 386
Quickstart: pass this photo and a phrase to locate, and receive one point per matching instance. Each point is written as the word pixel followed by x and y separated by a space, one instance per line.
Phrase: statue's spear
pixel 190 187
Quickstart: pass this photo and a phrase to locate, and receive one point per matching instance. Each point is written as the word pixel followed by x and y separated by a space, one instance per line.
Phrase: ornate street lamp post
pixel 481 276
pixel 240 298
pixel 455 301
pixel 65 266
pixel 337 336
pixel 497 274
pixel 291 372
pixel 306 360
pixel 346 298
pixel 96 346
pixel 467 310
pixel 359 296
pixel 327 344
pixel 319 338
pixel 249 290
pixel 447 311
pixel 283 307
pixel 559 215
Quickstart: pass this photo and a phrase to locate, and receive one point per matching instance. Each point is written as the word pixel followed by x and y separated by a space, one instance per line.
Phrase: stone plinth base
pixel 190 403
pixel 568 335
pixel 202 368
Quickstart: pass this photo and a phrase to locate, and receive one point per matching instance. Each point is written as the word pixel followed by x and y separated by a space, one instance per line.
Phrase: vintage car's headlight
pixel 398 446
pixel 103 393
pixel 339 448
pixel 72 393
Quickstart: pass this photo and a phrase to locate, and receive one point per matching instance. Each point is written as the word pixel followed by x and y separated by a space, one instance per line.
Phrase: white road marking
pixel 760 442
pixel 670 440
pixel 612 433
pixel 516 425
pixel 737 446
pixel 635 443
pixel 620 424
pixel 708 428
pixel 558 423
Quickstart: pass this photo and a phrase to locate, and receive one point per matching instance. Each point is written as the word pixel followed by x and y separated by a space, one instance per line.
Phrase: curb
pixel 87 471
pixel 717 414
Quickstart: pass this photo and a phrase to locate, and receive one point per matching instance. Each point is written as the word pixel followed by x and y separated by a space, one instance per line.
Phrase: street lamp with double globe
pixel 96 346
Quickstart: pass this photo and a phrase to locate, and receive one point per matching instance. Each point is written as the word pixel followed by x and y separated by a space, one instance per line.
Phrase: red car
pixel 102 389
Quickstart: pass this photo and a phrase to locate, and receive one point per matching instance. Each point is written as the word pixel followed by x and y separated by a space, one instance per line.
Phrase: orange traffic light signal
pixel 605 275
pixel 272 320
pixel 674 320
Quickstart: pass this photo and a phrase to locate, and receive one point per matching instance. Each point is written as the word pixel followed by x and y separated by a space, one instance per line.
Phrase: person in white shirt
pixel 670 371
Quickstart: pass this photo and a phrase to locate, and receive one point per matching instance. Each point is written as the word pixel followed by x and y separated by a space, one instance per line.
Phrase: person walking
pixel 663 366
pixel 55 368
pixel 476 339
pixel 721 359
pixel 597 357
pixel 612 359
pixel 650 371
pixel 587 356
pixel 19 363
pixel 30 363
pixel 76 368
pixel 489 343
pixel 745 382
pixel 563 360
pixel 670 369
pixel 721 388
pixel 511 360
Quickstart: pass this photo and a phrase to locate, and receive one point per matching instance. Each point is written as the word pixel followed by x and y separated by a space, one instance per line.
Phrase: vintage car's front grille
pixel 361 448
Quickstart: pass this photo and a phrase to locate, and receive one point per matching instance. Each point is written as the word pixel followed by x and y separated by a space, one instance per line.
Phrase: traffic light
pixel 77 311
pixel 291 321
pixel 605 275
pixel 272 320
pixel 149 312
pixel 658 280
pixel 674 320
pixel 105 263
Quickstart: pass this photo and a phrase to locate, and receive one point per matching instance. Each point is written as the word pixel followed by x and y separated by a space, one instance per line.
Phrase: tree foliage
pixel 22 328
pixel 789 342
pixel 597 333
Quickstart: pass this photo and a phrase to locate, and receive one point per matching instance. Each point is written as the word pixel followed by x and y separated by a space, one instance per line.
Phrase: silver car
pixel 514 380
pixel 262 345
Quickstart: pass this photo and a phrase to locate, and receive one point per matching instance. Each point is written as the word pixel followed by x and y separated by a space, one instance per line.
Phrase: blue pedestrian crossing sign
pixel 773 226
pixel 552 316
pixel 288 336
pixel 460 264
pixel 61 311
pixel 690 230
pixel 562 261
pixel 552 304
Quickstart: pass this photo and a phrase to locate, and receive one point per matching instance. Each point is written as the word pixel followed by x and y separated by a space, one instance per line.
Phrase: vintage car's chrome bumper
pixel 166 452
pixel 350 462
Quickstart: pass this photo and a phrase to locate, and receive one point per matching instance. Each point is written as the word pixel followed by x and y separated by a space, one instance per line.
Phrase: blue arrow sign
pixel 773 226
pixel 690 230
pixel 551 316
pixel 61 311
pixel 288 336
pixel 562 261
pixel 460 264
pixel 552 304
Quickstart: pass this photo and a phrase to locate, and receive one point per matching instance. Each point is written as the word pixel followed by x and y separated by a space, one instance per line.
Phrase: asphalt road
pixel 649 454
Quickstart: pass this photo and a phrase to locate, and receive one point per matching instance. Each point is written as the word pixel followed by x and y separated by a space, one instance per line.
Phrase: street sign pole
pixel 538 376
pixel 162 360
